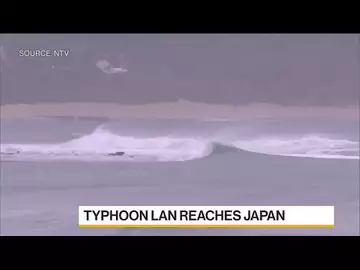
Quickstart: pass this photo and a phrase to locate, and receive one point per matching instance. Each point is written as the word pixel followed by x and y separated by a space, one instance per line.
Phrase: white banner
pixel 206 216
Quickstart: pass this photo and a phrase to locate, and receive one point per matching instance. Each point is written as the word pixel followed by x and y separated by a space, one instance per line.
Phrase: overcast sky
pixel 234 69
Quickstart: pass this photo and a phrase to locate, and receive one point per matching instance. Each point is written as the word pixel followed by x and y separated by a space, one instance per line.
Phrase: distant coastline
pixel 181 109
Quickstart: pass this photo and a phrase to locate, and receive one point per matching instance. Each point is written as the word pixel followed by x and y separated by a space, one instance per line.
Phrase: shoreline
pixel 221 179
pixel 175 110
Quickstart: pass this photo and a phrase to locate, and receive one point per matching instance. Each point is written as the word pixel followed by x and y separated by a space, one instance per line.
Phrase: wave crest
pixel 102 142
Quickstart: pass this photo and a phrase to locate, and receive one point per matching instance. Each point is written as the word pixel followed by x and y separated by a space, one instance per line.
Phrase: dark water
pixel 41 198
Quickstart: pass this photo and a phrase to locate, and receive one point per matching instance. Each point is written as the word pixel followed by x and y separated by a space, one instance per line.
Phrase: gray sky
pixel 233 69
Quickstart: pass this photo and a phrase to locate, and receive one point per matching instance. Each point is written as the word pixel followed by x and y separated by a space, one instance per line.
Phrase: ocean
pixel 50 166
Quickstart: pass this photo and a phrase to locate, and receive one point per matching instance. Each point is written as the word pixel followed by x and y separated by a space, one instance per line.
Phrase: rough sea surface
pixel 51 166
pixel 279 126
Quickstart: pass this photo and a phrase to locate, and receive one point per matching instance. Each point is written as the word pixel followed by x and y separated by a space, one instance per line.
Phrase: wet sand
pixel 42 198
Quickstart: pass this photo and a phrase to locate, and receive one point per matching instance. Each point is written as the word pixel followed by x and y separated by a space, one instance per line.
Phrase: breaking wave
pixel 313 146
pixel 99 144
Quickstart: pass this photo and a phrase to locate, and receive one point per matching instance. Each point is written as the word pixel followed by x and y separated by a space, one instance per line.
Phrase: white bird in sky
pixel 107 68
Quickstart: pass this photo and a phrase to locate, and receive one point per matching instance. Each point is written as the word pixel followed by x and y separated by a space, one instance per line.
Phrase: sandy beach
pixel 222 179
